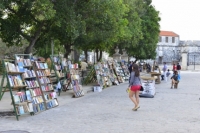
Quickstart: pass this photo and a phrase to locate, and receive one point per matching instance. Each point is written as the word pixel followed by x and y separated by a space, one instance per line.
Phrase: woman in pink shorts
pixel 135 85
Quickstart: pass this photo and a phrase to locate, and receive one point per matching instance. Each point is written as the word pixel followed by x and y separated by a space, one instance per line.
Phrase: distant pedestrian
pixel 168 73
pixel 148 68
pixel 175 79
pixel 165 71
pixel 130 67
pixel 178 68
pixel 84 66
pixel 135 85
pixel 174 67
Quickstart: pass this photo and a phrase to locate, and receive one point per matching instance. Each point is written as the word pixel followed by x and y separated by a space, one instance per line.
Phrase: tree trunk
pixel 29 48
pixel 100 56
pixel 86 55
pixel 97 55
pixel 67 50
pixel 76 56
pixel 33 39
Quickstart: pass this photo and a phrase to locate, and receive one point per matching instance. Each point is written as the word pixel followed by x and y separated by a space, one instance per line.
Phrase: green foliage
pixel 98 25
pixel 105 23
pixel 149 29
pixel 24 19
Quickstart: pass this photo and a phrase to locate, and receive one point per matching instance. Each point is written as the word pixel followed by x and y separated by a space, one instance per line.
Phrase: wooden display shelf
pixel 28 77
pixel 18 87
pixel 14 73
pixel 28 66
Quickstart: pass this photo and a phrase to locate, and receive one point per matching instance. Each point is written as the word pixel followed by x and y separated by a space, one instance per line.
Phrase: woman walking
pixel 135 85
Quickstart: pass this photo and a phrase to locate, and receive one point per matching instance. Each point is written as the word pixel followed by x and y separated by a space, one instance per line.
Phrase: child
pixel 168 73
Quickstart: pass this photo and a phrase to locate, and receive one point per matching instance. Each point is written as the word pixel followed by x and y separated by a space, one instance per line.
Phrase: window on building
pixel 166 39
pixel 160 39
pixel 173 39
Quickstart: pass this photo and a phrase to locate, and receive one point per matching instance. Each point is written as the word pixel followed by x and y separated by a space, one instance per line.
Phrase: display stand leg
pixel 13 103
pixel 2 89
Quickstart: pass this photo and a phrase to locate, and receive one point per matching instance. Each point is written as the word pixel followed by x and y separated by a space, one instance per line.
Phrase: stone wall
pixel 172 53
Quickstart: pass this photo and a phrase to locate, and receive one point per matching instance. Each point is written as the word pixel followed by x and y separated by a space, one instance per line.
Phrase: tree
pixel 24 19
pixel 104 24
pixel 133 32
pixel 146 46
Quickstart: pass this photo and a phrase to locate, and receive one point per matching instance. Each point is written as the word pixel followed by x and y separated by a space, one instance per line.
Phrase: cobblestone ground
pixel 171 111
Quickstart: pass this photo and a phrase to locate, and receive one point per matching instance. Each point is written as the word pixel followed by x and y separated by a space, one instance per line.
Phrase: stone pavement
pixel 109 111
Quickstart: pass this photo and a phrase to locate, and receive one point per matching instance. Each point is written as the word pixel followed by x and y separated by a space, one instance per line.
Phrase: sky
pixel 180 16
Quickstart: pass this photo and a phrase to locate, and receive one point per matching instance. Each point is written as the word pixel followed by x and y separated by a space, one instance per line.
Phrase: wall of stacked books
pixel 32 89
pixel 99 78
pixel 29 85
pixel 68 75
pixel 33 94
pixel 59 74
pixel 118 71
pixel 16 87
pixel 43 74
pixel 125 70
pixel 113 72
pixel 76 81
pixel 66 82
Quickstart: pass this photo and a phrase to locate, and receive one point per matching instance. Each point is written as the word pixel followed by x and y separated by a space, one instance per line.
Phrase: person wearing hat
pixel 175 79
pixel 84 66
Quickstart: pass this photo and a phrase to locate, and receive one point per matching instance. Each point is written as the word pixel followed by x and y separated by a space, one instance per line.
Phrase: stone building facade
pixel 170 49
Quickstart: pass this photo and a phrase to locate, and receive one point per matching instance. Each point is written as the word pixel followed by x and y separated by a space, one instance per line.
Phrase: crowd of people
pixel 175 78
pixel 135 80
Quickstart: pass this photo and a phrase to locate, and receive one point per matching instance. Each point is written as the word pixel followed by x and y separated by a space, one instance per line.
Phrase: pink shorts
pixel 135 87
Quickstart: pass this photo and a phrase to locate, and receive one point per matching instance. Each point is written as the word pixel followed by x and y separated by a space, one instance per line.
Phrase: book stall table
pixel 125 70
pixel 148 83
pixel 76 80
pixel 115 73
pixel 99 78
pixel 61 69
pixel 29 85
pixel 49 94
pixel 33 92
pixel 119 71
pixel 15 83
pixel 106 75
pixel 157 75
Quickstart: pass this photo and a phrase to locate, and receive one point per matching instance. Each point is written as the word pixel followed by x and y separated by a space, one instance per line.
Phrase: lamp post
pixel 173 56
pixel 194 61
pixel 178 52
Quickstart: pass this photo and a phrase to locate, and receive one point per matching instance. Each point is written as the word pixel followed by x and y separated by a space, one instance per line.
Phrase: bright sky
pixel 180 16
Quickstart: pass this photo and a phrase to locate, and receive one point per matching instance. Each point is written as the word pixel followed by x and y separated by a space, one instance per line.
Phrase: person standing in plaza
pixel 84 66
pixel 165 71
pixel 174 67
pixel 178 68
pixel 175 80
pixel 135 85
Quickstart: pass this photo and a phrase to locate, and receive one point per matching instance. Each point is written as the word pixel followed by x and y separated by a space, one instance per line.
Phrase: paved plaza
pixel 110 111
